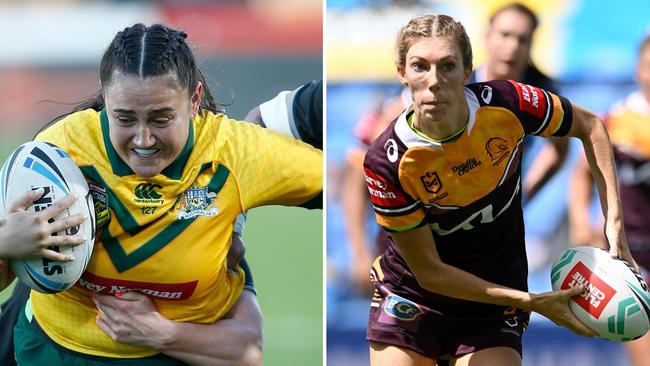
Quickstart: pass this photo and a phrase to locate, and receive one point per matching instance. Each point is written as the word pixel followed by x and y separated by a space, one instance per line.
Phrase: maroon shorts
pixel 403 323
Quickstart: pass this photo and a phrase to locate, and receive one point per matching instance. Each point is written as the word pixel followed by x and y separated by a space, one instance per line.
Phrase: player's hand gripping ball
pixel 616 303
pixel 36 165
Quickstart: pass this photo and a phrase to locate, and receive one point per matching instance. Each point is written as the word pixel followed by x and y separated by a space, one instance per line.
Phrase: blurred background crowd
pixel 590 51
pixel 250 51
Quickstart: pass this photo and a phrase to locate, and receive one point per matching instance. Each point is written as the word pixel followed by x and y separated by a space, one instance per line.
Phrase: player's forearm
pixel 235 340
pixel 453 282
pixel 600 156
pixel 418 249
pixel 226 342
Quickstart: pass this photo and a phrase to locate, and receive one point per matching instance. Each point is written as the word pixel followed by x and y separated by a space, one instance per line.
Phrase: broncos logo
pixel 497 149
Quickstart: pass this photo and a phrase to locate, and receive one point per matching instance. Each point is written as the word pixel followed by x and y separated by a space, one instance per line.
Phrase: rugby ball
pixel 616 303
pixel 36 165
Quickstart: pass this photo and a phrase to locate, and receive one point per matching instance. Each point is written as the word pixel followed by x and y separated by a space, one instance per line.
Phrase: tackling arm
pixel 234 340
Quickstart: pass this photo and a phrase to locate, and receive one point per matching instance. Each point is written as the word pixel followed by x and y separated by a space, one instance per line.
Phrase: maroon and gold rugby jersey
pixel 628 123
pixel 467 190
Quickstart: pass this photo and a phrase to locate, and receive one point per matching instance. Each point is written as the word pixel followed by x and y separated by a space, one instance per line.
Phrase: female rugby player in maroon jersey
pixel 444 179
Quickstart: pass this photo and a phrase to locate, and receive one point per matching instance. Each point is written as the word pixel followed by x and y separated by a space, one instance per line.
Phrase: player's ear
pixel 468 74
pixel 197 96
pixel 401 73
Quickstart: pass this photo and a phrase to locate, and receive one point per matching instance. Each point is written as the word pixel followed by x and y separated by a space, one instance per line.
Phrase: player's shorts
pixel 34 347
pixel 400 322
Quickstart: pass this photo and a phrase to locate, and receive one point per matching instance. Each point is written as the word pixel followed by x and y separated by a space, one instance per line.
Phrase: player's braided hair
pixel 430 25
pixel 149 51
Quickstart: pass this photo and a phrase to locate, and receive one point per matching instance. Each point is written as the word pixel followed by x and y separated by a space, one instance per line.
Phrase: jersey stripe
pixel 401 223
pixel 396 211
pixel 175 169
pixel 123 261
pixel 547 115
pixel 122 214
pixel 119 167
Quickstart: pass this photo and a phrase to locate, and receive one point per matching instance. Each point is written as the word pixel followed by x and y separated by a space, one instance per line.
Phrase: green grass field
pixel 284 251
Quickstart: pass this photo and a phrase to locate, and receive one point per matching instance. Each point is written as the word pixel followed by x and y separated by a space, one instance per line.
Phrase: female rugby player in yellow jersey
pixel 169 174
pixel 444 179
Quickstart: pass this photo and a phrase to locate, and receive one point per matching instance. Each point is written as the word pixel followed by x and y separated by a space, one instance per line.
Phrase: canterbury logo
pixel 147 191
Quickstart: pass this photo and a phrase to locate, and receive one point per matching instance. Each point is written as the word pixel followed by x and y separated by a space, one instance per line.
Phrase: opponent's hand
pixel 236 251
pixel 555 306
pixel 24 234
pixel 132 318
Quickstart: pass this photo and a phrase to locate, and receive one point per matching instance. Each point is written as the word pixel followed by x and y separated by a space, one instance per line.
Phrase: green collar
pixel 173 171
pixel 451 138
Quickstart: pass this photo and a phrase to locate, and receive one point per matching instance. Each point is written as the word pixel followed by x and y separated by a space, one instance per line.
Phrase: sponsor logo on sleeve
pixel 382 193
pixel 597 294
pixel 391 150
pixel 531 99
pixel 486 94
pixel 431 181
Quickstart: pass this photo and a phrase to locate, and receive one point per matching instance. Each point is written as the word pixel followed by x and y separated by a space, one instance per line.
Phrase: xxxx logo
pixel 146 193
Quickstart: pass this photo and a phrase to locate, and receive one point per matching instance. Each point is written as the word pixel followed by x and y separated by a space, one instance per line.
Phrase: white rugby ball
pixel 616 304
pixel 36 165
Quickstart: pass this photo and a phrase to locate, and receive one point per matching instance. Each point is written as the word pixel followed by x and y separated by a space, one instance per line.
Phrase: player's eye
pixel 161 121
pixel 125 121
pixel 418 67
pixel 448 66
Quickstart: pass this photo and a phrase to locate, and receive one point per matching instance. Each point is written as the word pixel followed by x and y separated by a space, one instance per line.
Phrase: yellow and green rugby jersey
pixel 167 236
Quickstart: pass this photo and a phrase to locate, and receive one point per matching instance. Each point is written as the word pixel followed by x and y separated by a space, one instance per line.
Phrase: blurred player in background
pixel 444 180
pixel 628 123
pixel 508 42
pixel 148 74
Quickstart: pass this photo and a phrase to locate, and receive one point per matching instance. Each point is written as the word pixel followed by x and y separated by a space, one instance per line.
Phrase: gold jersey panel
pixel 168 236
pixel 628 124
pixel 410 176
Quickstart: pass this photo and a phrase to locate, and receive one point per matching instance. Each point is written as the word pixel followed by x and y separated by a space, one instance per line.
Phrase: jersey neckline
pixel 411 137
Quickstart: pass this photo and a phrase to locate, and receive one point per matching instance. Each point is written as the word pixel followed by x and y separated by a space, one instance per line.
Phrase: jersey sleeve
pixel 272 168
pixel 541 113
pixel 297 113
pixel 55 134
pixel 307 113
pixel 394 208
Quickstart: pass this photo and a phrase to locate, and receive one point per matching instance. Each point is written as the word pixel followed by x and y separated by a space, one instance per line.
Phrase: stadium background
pixel 250 50
pixel 590 47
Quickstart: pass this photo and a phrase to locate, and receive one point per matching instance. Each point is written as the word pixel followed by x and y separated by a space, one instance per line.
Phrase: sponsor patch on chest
pixel 163 291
